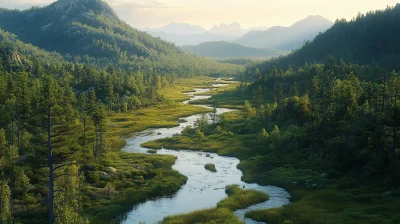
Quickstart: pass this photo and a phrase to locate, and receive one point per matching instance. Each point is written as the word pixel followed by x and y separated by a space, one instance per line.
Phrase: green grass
pixel 331 206
pixel 206 216
pixel 138 178
pixel 227 99
pixel 159 116
pixel 174 93
pixel 240 198
pixel 237 199
pixel 221 144
pixel 210 167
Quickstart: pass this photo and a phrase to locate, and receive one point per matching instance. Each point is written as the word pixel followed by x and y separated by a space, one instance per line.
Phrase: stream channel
pixel 203 189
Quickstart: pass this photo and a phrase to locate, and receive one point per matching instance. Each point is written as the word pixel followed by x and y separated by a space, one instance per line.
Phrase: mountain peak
pixel 227 29
pixel 68 7
pixel 311 21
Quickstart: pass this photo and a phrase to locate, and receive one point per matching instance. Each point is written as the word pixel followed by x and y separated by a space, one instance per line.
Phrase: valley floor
pixel 124 179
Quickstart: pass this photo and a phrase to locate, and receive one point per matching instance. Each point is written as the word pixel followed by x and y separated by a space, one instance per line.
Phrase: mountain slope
pixel 286 38
pixel 84 27
pixel 15 45
pixel 89 31
pixel 222 49
pixel 370 38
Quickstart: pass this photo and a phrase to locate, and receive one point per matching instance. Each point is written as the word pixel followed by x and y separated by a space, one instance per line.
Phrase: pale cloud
pixel 155 13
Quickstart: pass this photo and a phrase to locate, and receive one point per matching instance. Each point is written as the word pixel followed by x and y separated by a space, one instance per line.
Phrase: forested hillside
pixel 12 42
pixel 90 32
pixel 369 38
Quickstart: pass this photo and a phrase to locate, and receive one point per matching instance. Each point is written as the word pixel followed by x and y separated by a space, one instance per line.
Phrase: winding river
pixel 203 188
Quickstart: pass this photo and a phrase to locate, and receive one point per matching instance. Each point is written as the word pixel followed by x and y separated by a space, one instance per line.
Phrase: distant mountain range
pixel 222 49
pixel 287 38
pixel 186 34
pixel 277 37
pixel 178 29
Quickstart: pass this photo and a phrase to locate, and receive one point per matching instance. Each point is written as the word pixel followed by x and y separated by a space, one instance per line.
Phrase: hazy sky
pixel 249 13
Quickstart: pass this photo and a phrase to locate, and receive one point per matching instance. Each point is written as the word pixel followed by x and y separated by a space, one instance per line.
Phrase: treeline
pixel 344 116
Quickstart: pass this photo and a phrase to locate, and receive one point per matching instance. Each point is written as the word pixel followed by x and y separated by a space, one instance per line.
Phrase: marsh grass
pixel 223 145
pixel 174 93
pixel 223 213
pixel 226 99
pixel 241 198
pixel 138 178
pixel 205 216
pixel 159 116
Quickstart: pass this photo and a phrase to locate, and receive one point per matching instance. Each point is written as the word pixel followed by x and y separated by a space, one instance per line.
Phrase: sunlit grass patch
pixel 136 178
pixel 206 216
pixel 241 198
pixel 237 199
pixel 175 92
pixel 164 115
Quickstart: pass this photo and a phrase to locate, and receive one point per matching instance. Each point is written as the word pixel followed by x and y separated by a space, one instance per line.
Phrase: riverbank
pixel 121 180
pixel 318 196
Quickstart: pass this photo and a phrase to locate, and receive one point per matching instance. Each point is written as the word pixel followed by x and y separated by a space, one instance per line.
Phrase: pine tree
pixel 100 123
pixel 54 124
pixel 5 207
pixel 248 111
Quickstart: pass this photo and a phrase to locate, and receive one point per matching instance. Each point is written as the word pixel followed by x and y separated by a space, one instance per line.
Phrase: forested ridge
pixel 91 32
pixel 368 38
